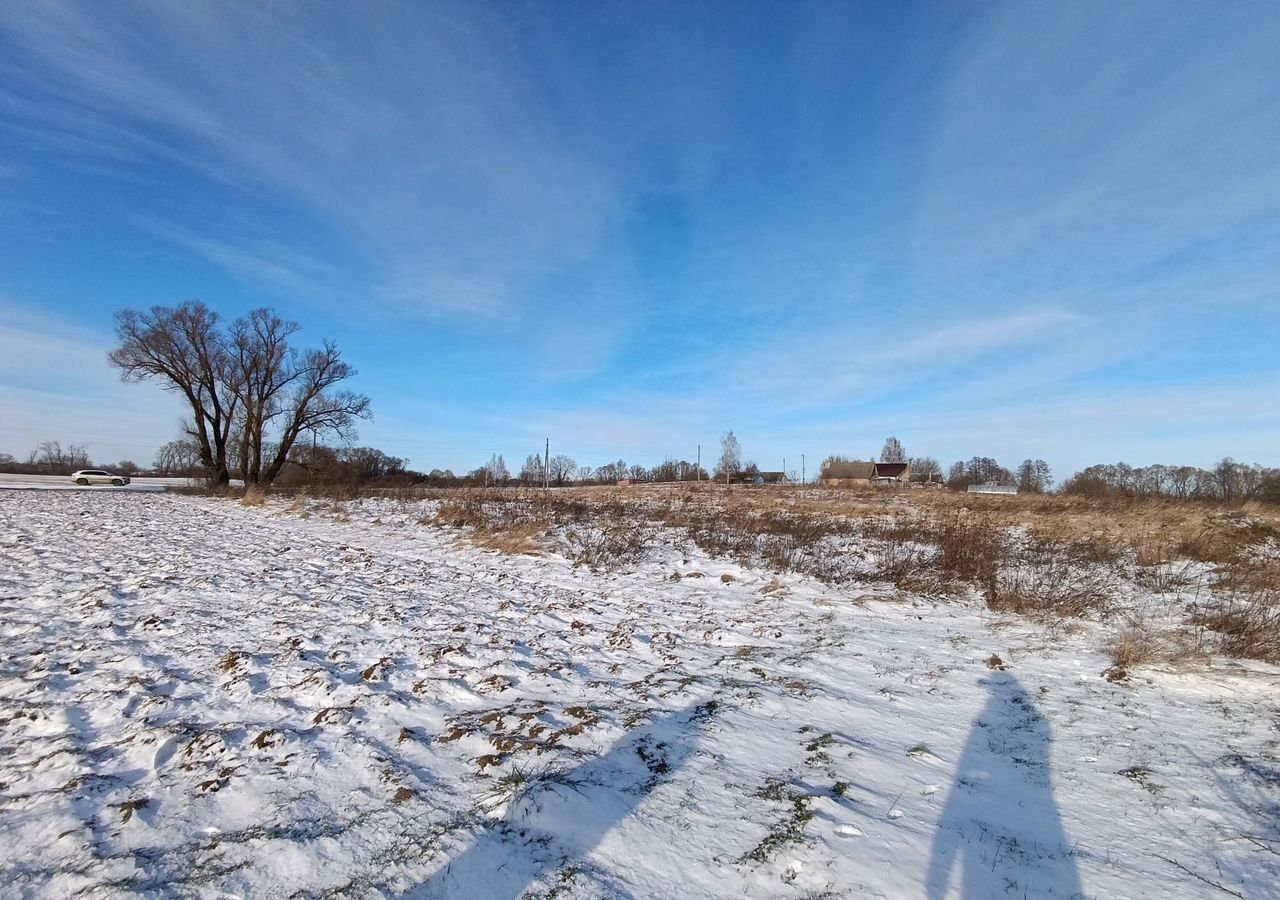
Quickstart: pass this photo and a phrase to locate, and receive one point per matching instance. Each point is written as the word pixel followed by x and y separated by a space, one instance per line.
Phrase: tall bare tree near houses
pixel 730 463
pixel 893 451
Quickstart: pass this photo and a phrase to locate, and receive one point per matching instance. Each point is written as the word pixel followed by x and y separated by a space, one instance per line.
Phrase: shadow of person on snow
pixel 1001 825
pixel 555 818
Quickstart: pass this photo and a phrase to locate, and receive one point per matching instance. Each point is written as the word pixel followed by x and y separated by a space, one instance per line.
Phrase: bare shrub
pixel 1049 578
pixel 781 541
pixel 1245 614
pixel 899 548
pixel 610 544
pixel 970 547
pixel 789 543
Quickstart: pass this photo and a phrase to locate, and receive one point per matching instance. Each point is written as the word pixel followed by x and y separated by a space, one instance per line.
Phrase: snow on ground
pixel 207 699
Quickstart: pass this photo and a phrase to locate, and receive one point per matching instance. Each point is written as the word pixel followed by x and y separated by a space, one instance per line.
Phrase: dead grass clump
pixel 791 543
pixel 462 512
pixel 1137 645
pixel 1245 615
pixel 508 527
pixel 1225 537
pixel 721 532
pixel 899 563
pixel 1042 576
pixel 971 548
pixel 610 543
pixel 128 808
pixel 1052 585
pixel 523 539
pixel 254 495
pixel 1151 553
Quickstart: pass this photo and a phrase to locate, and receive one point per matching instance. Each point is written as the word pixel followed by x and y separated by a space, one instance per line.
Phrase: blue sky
pixel 1023 229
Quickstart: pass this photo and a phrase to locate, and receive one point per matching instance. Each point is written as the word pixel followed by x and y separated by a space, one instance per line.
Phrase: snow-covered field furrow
pixel 203 698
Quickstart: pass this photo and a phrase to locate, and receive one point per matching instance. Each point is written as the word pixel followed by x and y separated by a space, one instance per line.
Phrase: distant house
pixel 771 478
pixel 839 473
pixel 992 488
pixel 927 478
pixel 892 471
pixel 850 473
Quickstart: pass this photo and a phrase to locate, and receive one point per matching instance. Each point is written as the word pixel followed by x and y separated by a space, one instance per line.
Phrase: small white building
pixel 992 488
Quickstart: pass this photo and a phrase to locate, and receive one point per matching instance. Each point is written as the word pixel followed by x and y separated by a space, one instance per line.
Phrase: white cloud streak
pixel 56 384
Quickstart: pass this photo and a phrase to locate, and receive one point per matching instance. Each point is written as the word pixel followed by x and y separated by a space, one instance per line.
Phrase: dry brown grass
pixel 254 495
pixel 503 527
pixel 1136 645
pixel 523 539
pixel 1245 613
pixel 1042 556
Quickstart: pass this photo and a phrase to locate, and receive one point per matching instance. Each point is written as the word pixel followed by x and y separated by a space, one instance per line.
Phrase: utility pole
pixel 802 468
pixel 546 464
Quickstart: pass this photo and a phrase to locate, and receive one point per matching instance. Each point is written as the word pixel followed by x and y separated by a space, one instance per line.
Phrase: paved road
pixel 64 483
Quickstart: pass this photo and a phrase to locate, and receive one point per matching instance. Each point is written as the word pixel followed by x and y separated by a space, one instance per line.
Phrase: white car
pixel 97 476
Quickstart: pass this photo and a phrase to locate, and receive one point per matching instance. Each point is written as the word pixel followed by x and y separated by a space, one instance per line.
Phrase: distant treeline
pixel 51 458
pixel 367 466
pixel 1227 482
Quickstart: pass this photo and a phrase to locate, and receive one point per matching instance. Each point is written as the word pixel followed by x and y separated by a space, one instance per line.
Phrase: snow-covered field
pixel 203 698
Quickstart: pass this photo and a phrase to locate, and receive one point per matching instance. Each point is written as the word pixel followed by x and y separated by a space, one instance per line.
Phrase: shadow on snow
pixel 1001 825
pixel 555 818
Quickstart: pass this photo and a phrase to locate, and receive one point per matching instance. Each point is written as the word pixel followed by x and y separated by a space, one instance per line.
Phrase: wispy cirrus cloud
pixel 264 261
pixel 453 185
pixel 1087 148
pixel 885 353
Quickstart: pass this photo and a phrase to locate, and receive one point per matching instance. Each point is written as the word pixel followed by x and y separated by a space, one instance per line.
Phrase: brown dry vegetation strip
pixel 1042 556
pixel 1038 555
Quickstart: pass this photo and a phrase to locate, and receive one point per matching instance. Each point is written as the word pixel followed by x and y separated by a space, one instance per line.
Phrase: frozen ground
pixel 206 699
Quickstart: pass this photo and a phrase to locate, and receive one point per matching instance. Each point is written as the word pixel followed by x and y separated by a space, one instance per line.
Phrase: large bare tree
pixel 251 395
pixel 183 348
